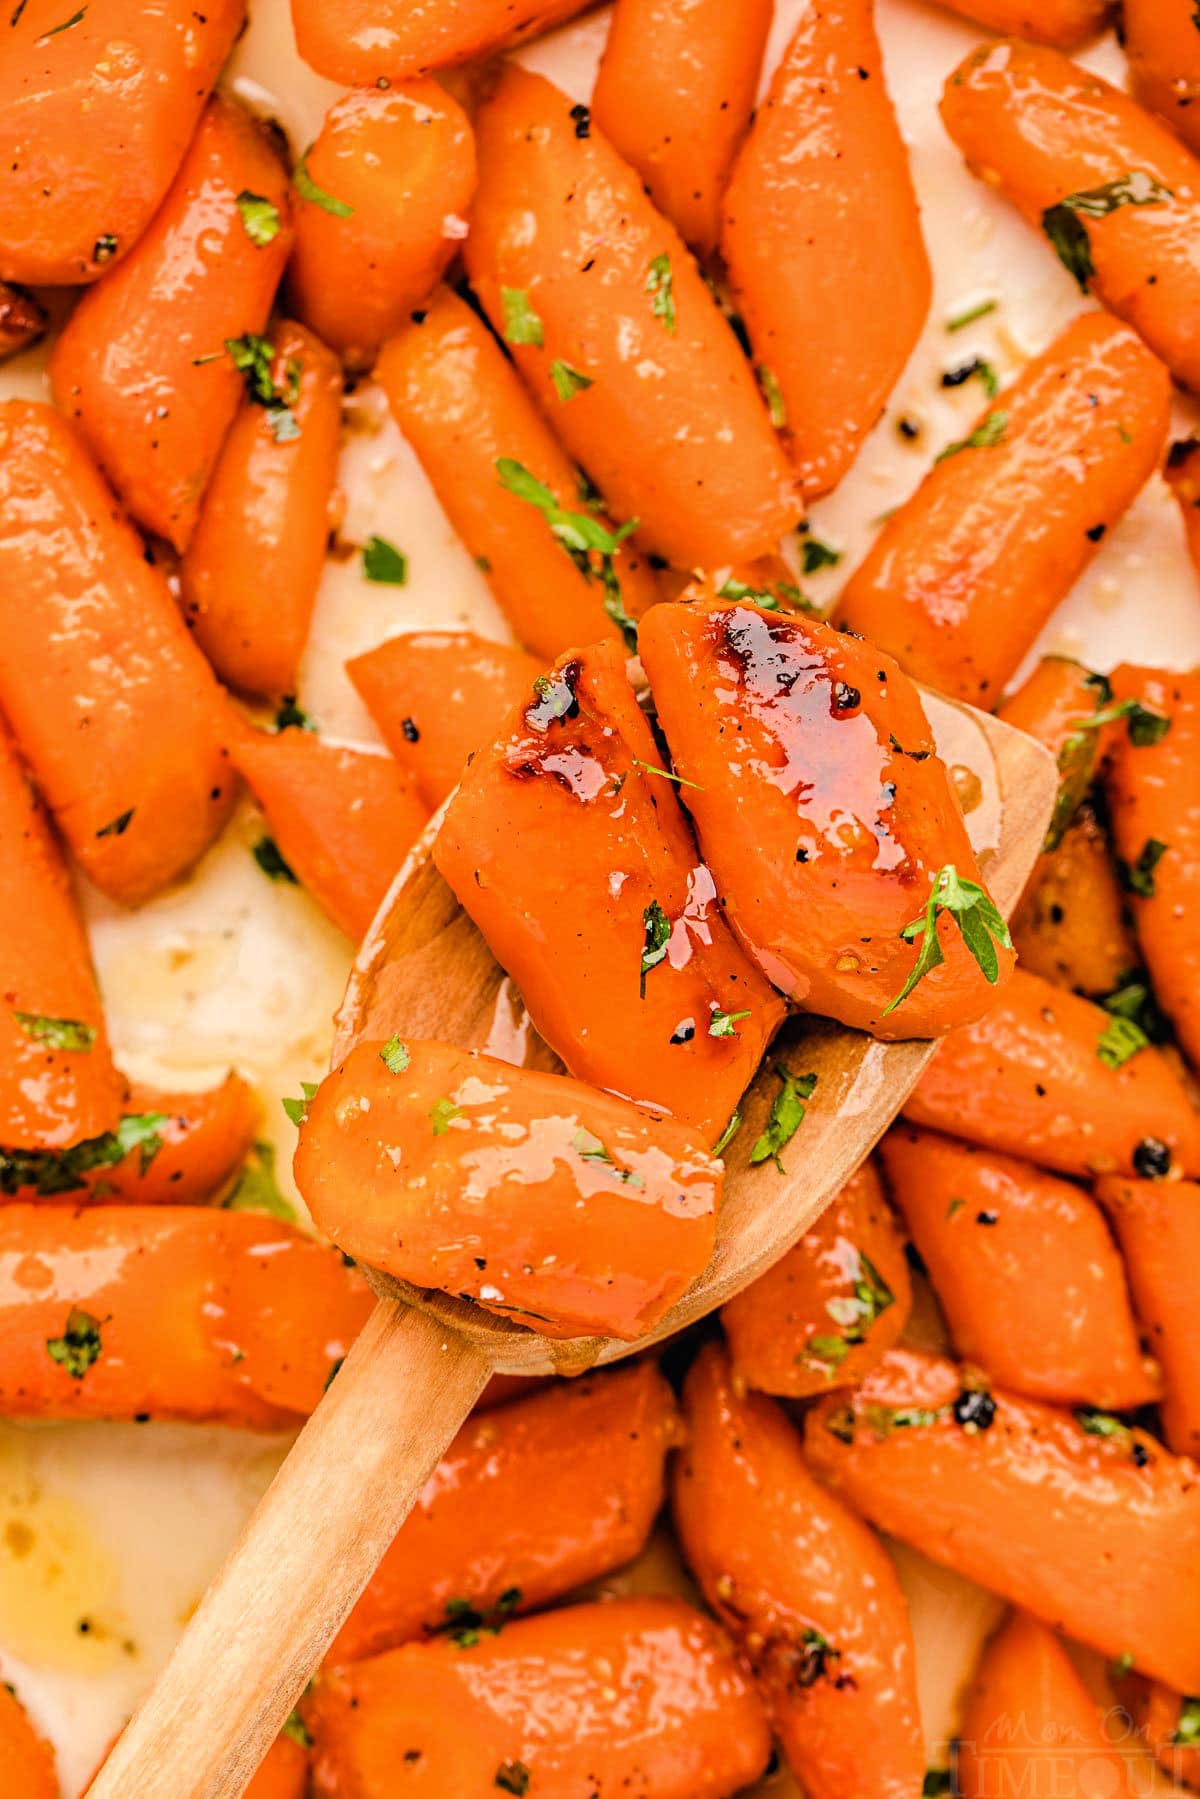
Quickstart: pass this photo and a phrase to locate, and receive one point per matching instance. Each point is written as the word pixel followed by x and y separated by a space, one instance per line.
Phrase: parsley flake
pixel 657 937
pixel 580 535
pixel 971 908
pixel 105 247
pixel 270 859
pixel 960 320
pixel 728 1134
pixel 1120 1041
pixel 513 1777
pixel 293 1726
pixel 260 216
pixel 661 283
pixel 568 381
pixel 57 1033
pixel 652 768
pixel 117 827
pixel 815 554
pixel 985 436
pixel 442 1114
pixel 721 1024
pixel 75 19
pixel 521 323
pixel 1064 224
pixel 308 190
pixel 257 1188
pixel 394 1055
pixel 297 1109
pixel 79 1346
pixel 50 1172
pixel 1138 877
pixel 292 717
pixel 1187 1730
pixel 384 563
pixel 787 1114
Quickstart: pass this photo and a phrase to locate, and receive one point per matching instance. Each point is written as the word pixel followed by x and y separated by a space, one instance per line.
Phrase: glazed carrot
pixel 1071 926
pixel 962 578
pixel 823 810
pixel 59 1084
pixel 22 320
pixel 462 407
pixel 612 326
pixel 1113 189
pixel 1153 786
pixel 1030 1722
pixel 283 1775
pixel 820 219
pixel 381 157
pixel 674 96
pixel 437 696
pixel 584 1458
pixel 143 364
pixel 637 1696
pixel 342 819
pixel 1157 1225
pixel 832 1306
pixel 143 1310
pixel 612 930
pixel 98 110
pixel 1058 704
pixel 1029 1080
pixel 27 1760
pixel 1168 1723
pixel 365 43
pixel 1025 1269
pixel 252 569
pixel 805 1589
pixel 528 1192
pixel 1162 48
pixel 113 706
pixel 1062 23
pixel 1092 1527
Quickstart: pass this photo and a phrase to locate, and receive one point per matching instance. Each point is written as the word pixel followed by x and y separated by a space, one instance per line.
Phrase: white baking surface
pixel 108 1533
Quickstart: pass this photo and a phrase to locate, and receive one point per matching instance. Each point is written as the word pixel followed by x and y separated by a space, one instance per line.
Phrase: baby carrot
pixel 612 326
pixel 775 722
pixel 1030 1722
pixel 27 1760
pixel 367 43
pixel 612 932
pixel 820 219
pixel 1027 1274
pixel 528 1192
pixel 97 110
pixel 437 696
pixel 636 1696
pixel 153 359
pixel 293 1311
pixel 585 1458
pixel 1162 48
pixel 112 704
pixel 1157 1224
pixel 1051 1078
pixel 462 407
pixel 1062 704
pixel 1153 785
pixel 1110 186
pixel 22 320
pixel 342 820
pixel 403 154
pixel 805 1589
pixel 59 1084
pixel 1061 23
pixel 1091 1526
pixel 832 1306
pixel 962 578
pixel 253 566
pixel 1071 926
pixel 674 96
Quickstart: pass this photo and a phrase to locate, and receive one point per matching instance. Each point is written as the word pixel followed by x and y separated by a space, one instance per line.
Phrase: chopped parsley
pixel 660 282
pixel 1145 726
pixel 252 356
pixel 66 25
pixel 1065 227
pixel 818 1653
pixel 257 1189
pixel 293 1726
pixel 260 217
pixel 49 1172
pixel 854 1313
pixel 960 320
pixel 773 394
pixel 79 1346
pixel 568 381
pixel 512 1777
pixel 442 1114
pixel 1187 1730
pixel 786 1116
pixel 1120 1041
pixel 1138 877
pixel 57 1033
pixel 394 1055
pixel 297 1109
pixel 308 190
pixel 1133 999
pixel 816 554
pixel 580 535
pixel 721 1024
pixel 1095 1423
pixel 978 366
pixel 985 436
pixel 975 914
pixel 936 1781
pixel 105 247
pixel 270 860
pixel 521 323
pixel 117 827
pixel 728 1134
pixel 1122 1664
pixel 465 1625
pixel 384 563
pixel 656 927
pixel 652 768
pixel 292 717
pixel 771 599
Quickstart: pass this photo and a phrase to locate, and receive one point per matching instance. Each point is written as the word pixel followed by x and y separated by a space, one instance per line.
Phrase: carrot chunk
pixel 1157 1224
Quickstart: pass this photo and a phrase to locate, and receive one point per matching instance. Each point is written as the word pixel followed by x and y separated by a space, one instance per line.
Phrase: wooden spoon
pixel 360 1462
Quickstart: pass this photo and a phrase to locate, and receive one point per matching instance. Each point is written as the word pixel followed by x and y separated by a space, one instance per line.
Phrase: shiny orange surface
pixel 672 430
pixel 1099 1535
pixel 576 1212
pixel 141 365
pixel 1051 701
pixel 1028 1276
pixel 812 1292
pixel 1072 924
pixel 584 1458
pixel 595 1702
pixel 960 580
pixel 674 96
pixel 821 806
pixel 95 120
pixel 561 840
pixel 1162 46
pixel 114 708
pixel 27 1762
pixel 402 154
pixel 437 696
pixel 1040 128
pixel 1063 23
pixel 1026 1080
pixel 365 42
pixel 820 221
pixel 805 1589
pixel 1157 1224
pixel 252 569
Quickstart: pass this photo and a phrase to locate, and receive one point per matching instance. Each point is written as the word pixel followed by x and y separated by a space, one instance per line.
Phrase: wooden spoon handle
pixel 303 1559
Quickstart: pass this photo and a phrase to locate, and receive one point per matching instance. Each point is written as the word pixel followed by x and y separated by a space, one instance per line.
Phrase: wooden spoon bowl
pixel 418 1367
